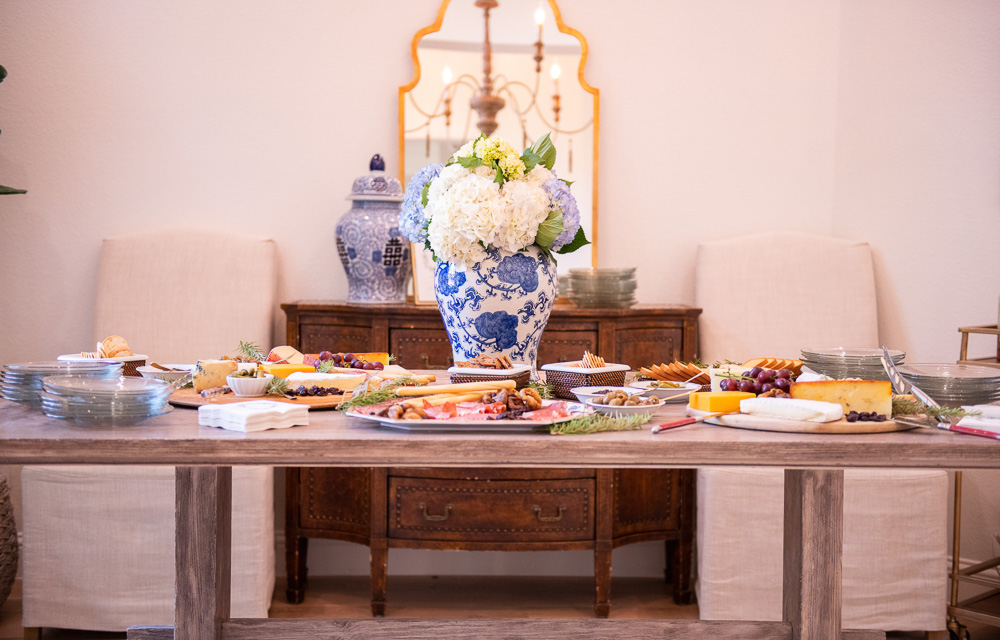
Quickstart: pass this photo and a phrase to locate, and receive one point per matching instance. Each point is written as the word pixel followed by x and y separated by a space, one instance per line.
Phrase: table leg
pixel 814 532
pixel 203 540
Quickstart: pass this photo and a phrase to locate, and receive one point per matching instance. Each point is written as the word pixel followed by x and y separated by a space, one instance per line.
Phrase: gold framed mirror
pixel 497 66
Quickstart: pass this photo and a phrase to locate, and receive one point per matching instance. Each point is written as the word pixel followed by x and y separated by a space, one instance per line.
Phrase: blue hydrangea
pixel 564 201
pixel 412 221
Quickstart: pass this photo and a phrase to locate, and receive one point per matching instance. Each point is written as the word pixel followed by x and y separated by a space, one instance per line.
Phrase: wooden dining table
pixel 814 474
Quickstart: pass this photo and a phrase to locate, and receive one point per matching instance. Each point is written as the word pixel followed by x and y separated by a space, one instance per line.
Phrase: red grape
pixel 765 375
pixel 755 372
pixel 767 386
pixel 325 355
pixel 747 386
pixel 368 366
pixel 337 358
pixel 378 366
pixel 784 373
pixel 783 383
pixel 349 357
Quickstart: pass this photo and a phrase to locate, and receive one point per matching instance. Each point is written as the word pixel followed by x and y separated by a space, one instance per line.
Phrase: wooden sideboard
pixel 498 509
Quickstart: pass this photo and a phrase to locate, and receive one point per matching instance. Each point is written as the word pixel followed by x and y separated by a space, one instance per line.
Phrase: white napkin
pixel 253 415
pixel 988 420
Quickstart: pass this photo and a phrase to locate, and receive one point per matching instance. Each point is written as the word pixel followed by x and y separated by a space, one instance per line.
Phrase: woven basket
pixel 8 542
pixel 519 379
pixel 563 381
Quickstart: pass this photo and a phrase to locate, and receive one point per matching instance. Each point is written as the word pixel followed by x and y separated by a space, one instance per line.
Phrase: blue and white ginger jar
pixel 500 305
pixel 374 253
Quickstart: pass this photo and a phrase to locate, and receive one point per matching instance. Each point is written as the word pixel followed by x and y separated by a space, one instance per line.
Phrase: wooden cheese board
pixel 192 399
pixel 763 423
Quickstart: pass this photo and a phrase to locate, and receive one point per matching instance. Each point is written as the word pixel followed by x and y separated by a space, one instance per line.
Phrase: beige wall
pixel 869 120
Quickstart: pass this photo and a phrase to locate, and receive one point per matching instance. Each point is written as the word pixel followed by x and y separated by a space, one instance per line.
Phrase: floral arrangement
pixel 489 197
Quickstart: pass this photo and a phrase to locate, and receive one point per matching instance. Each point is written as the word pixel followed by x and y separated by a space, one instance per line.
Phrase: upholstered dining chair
pixel 98 549
pixel 770 295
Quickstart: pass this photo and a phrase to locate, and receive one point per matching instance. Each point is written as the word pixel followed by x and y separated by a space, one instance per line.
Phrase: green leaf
pixel 500 179
pixel 550 229
pixel 423 194
pixel 4 191
pixel 427 245
pixel 530 160
pixel 579 240
pixel 545 150
pixel 548 254
pixel 568 183
pixel 470 162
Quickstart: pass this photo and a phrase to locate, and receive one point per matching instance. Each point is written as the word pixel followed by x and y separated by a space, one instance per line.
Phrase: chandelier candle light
pixel 494 221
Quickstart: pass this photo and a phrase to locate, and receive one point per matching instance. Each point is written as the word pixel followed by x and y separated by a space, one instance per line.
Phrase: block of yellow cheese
pixel 212 373
pixel 718 401
pixel 852 395
pixel 285 370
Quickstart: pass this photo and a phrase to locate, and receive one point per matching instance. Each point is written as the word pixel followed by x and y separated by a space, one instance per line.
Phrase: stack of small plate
pixel 602 288
pixel 22 382
pixel 89 399
pixel 954 385
pixel 849 362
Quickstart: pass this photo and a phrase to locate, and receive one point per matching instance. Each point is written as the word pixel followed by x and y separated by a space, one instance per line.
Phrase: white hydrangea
pixel 524 208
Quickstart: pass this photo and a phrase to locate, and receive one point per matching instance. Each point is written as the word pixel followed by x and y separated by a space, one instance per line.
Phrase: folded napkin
pixel 987 420
pixel 253 415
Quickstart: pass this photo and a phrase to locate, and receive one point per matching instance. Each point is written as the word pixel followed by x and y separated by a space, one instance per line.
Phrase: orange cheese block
pixel 285 370
pixel 852 395
pixel 718 401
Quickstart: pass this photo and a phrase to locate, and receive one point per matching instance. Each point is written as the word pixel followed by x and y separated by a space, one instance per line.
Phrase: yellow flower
pixel 496 148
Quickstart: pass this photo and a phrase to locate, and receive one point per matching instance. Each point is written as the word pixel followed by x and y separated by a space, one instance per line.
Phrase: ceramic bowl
pixel 246 387
pixel 679 394
pixel 148 371
pixel 624 410
pixel 586 393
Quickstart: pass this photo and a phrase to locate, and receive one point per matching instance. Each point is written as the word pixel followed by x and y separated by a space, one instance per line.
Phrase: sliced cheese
pixel 718 401
pixel 212 373
pixel 852 395
pixel 341 381
pixel 791 409
pixel 285 370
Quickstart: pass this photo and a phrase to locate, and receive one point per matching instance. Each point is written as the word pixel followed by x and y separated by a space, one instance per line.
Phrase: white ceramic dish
pixel 486 426
pixel 586 393
pixel 76 357
pixel 568 367
pixel 148 371
pixel 679 394
pixel 623 410
pixel 475 371
pixel 246 387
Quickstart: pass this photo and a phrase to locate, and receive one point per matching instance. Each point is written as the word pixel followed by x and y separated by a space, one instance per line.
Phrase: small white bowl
pixel 148 371
pixel 624 410
pixel 246 387
pixel 587 393
pixel 670 395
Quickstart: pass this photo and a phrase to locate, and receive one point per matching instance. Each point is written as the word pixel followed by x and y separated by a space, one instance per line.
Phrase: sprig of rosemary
pixel 545 391
pixel 598 423
pixel 374 396
pixel 277 386
pixel 250 351
pixel 904 406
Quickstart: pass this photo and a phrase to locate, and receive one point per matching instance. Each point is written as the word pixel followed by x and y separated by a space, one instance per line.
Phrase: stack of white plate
pixel 602 288
pixel 86 398
pixel 954 385
pixel 22 382
pixel 849 362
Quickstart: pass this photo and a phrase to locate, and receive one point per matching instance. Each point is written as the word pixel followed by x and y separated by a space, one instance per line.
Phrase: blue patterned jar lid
pixel 377 185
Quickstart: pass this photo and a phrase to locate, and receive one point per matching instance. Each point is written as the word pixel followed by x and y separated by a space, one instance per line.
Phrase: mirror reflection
pixel 503 67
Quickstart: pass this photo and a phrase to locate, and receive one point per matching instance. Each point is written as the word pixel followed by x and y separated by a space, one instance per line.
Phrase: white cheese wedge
pixel 341 381
pixel 212 373
pixel 791 409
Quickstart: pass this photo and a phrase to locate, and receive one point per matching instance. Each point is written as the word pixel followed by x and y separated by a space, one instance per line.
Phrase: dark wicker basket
pixel 8 542
pixel 520 379
pixel 563 381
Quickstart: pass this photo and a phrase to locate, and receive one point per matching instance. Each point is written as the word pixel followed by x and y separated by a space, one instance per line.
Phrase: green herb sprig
pixel 369 397
pixel 545 391
pixel 250 351
pixel 598 423
pixel 903 406
pixel 277 386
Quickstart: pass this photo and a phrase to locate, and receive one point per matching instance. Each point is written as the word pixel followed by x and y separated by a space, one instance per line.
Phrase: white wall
pixel 869 120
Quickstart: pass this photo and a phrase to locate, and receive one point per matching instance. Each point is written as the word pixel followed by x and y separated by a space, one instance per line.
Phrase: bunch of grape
pixel 302 390
pixel 348 360
pixel 758 381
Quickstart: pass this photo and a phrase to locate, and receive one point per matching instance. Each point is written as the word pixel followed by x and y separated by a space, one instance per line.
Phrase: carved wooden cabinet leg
pixel 378 479
pixel 602 582
pixel 296 547
pixel 380 575
pixel 683 556
pixel 680 553
pixel 603 544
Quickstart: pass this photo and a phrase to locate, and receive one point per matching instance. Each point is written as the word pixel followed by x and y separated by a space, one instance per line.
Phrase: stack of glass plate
pixel 22 382
pixel 602 288
pixel 86 398
pixel 849 362
pixel 954 385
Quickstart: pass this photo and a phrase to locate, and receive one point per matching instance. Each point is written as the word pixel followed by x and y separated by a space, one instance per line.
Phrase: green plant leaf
pixel 568 183
pixel 579 240
pixel 5 191
pixel 423 194
pixel 548 254
pixel 550 229
pixel 545 150
pixel 470 162
pixel 530 160
pixel 500 179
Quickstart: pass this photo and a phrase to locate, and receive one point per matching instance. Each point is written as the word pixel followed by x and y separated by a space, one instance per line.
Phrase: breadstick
pixel 436 401
pixel 456 388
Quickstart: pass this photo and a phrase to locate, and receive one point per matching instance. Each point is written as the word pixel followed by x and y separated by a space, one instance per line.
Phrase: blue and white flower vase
pixel 374 253
pixel 500 305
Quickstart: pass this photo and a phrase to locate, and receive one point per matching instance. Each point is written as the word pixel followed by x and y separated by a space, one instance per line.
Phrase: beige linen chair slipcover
pixel 98 548
pixel 769 295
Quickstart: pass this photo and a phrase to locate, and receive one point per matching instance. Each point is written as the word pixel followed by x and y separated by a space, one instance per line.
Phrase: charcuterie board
pixel 192 399
pixel 764 423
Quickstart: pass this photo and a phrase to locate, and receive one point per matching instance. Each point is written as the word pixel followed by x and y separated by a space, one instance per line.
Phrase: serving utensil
pixel 901 386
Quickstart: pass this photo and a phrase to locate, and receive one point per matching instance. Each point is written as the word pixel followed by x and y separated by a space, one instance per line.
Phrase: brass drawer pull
pixel 427 516
pixel 541 518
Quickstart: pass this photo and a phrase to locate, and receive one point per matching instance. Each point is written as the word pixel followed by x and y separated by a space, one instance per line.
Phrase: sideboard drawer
pixel 511 511
pixel 420 348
